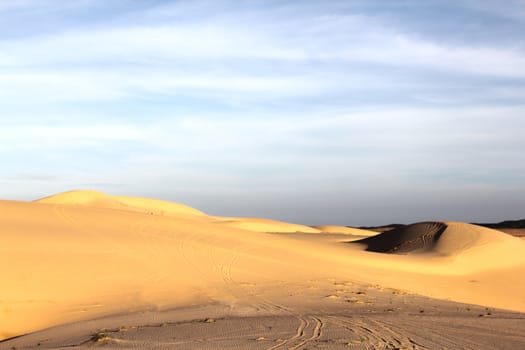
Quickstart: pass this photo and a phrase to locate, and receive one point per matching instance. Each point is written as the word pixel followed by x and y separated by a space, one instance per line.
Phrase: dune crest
pixel 265 225
pixel 345 230
pixel 101 200
pixel 444 238
pixel 459 237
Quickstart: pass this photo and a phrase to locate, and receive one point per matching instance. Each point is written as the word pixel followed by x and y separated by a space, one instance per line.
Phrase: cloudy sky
pixel 354 112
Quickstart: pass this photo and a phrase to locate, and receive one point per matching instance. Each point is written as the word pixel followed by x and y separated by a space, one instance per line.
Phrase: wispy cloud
pixel 353 40
pixel 43 137
pixel 219 59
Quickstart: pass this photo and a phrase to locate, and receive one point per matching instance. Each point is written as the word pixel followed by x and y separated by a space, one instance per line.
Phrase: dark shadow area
pixel 405 239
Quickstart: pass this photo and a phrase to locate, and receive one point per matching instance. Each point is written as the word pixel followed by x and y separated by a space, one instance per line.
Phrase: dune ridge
pixel 445 238
pixel 102 200
pixel 264 225
pixel 345 230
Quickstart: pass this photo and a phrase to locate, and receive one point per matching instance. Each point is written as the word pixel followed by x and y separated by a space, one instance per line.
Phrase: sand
pixel 345 230
pixel 418 237
pixel 264 225
pixel 83 263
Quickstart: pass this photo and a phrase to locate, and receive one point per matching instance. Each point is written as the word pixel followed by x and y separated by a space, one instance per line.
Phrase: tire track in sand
pixel 375 334
pixel 317 333
pixel 299 340
pixel 298 334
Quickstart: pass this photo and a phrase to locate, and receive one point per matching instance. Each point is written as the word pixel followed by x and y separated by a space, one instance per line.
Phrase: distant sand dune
pixel 345 230
pixel 265 225
pixel 446 238
pixel 102 200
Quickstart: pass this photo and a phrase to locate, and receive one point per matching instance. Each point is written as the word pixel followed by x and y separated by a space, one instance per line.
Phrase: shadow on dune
pixel 405 239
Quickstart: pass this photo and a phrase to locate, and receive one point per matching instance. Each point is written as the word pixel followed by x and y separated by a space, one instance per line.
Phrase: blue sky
pixel 343 112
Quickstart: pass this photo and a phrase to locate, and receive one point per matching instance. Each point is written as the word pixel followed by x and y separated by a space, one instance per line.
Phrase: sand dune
pixel 102 200
pixel 412 238
pixel 85 255
pixel 446 238
pixel 264 225
pixel 345 230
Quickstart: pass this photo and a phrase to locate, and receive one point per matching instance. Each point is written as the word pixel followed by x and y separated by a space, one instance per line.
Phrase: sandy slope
pixel 264 225
pixel 83 255
pixel 345 230
pixel 102 200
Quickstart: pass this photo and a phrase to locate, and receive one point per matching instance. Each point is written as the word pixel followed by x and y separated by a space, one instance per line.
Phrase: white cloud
pixel 377 133
pixel 350 39
pixel 146 45
pixel 99 85
pixel 51 86
pixel 478 60
pixel 61 137
pixel 223 61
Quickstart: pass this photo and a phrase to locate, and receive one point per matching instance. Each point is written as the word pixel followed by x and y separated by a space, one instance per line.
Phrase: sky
pixel 354 112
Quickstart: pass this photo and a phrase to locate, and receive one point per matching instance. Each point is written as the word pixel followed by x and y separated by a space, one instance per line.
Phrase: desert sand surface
pixel 345 230
pixel 85 269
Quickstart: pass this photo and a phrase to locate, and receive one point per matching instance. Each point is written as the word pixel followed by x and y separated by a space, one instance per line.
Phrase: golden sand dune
pixel 446 238
pixel 345 230
pixel 102 200
pixel 264 225
pixel 73 257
